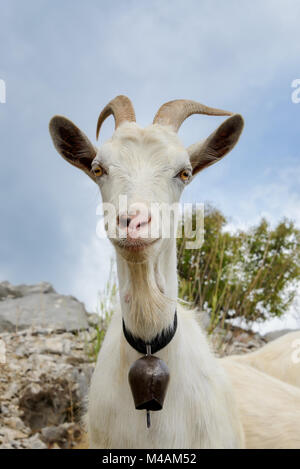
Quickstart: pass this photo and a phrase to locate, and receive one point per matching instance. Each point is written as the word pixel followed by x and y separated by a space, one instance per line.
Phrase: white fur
pixel 269 408
pixel 279 358
pixel 199 411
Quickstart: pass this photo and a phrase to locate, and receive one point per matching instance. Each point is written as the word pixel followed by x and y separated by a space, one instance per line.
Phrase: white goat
pixel 151 165
pixel 269 408
pixel 279 358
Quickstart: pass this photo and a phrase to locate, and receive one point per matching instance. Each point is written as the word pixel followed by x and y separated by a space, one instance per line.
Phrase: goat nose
pixel 134 223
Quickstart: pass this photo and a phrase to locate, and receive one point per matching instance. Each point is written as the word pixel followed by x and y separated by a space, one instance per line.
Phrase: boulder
pixel 7 290
pixel 276 334
pixel 39 305
pixel 43 387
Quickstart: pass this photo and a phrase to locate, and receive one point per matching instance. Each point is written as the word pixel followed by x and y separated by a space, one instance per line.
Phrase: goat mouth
pixel 135 245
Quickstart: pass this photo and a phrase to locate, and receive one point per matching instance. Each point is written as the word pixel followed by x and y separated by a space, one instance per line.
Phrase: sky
pixel 73 57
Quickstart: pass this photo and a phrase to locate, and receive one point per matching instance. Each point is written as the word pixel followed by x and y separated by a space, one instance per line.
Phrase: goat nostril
pixel 123 221
pixel 143 223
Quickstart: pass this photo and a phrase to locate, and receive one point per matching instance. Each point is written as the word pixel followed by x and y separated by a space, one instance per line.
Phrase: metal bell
pixel 149 378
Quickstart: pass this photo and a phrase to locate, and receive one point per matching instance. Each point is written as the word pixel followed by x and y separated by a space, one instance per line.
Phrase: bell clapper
pixel 148 352
pixel 148 419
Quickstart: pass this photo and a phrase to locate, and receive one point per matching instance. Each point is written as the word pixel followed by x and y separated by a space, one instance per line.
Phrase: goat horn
pixel 121 108
pixel 175 112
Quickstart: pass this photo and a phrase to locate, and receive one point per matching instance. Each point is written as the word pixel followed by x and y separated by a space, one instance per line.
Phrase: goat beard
pixel 150 310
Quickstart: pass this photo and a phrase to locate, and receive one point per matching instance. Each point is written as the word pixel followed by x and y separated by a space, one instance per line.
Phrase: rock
pixel 252 344
pixel 243 338
pixel 8 434
pixel 11 391
pixel 61 436
pixel 42 310
pixel 57 346
pixel 41 288
pixel 93 319
pixel 8 446
pixel 49 402
pixel 16 423
pixel 4 291
pixel 7 290
pixel 82 377
pixel 4 410
pixel 235 341
pixel 54 434
pixel 204 318
pixel 276 334
pixel 228 336
pixel 43 386
pixel 35 442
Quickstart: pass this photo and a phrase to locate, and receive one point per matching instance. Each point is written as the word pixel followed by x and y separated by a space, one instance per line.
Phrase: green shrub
pixel 250 274
pixel 105 308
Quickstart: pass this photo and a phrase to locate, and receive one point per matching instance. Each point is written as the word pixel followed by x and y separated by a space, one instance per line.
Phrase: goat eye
pixel 184 175
pixel 98 170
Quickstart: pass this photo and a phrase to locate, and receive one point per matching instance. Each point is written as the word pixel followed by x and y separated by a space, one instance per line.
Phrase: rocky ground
pixel 43 385
pixel 46 362
pixel 235 341
pixel 45 367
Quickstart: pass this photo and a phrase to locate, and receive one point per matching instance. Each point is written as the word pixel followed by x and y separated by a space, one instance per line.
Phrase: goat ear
pixel 220 142
pixel 72 144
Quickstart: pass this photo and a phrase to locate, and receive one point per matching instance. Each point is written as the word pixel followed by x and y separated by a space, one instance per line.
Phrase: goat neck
pixel 148 291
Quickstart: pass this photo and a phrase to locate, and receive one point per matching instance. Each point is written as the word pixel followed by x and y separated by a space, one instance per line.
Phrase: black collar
pixel 156 344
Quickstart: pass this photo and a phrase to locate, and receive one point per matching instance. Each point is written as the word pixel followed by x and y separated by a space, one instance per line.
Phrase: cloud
pixel 277 198
pixel 274 194
pixel 220 53
pixel 90 273
pixel 291 320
